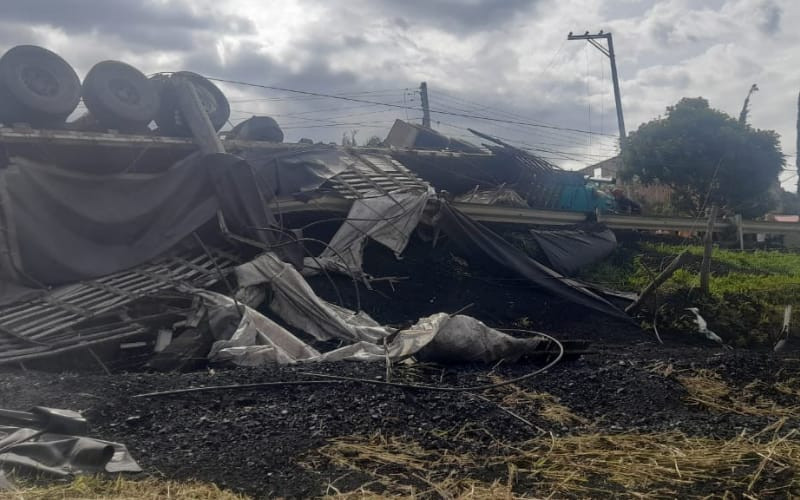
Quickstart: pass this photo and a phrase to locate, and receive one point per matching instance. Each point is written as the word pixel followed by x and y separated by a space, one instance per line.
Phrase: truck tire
pixel 169 119
pixel 257 128
pixel 120 96
pixel 37 87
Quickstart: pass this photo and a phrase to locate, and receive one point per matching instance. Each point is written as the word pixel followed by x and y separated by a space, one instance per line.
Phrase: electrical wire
pixel 463 115
pixel 564 155
pixel 564 143
pixel 550 134
pixel 588 97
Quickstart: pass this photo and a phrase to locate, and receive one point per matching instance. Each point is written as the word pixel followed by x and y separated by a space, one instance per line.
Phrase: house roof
pixel 609 165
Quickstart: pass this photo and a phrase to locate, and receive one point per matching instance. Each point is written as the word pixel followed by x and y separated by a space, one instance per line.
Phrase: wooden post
pixel 739 230
pixel 673 266
pixel 196 117
pixel 705 267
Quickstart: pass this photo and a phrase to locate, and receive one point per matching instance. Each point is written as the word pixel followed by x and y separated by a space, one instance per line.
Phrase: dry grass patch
pixel 790 387
pixel 707 388
pixel 90 487
pixel 652 465
pixel 547 406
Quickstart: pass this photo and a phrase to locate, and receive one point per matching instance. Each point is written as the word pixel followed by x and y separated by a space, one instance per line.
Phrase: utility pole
pixel 797 147
pixel 426 109
pixel 609 52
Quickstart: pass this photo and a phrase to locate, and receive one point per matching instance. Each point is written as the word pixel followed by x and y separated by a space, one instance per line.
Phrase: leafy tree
pixel 788 203
pixel 706 156
pixel 375 142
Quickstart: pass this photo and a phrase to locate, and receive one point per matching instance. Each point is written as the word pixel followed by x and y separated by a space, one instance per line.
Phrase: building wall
pixel 649 196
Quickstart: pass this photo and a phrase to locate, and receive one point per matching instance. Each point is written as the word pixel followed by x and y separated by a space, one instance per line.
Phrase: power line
pixel 553 135
pixel 558 141
pixel 588 97
pixel 565 155
pixel 476 117
pixel 500 112
pixel 298 116
pixel 301 98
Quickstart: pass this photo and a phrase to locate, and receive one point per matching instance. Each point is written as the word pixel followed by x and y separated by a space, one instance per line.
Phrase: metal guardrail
pixel 527 216
pixel 531 216
pixel 651 223
pixel 483 213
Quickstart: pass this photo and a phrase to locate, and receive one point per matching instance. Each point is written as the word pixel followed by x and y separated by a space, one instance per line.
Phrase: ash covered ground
pixel 263 442
pixel 282 441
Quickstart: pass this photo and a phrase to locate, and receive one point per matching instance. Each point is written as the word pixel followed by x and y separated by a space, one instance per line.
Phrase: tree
pixel 706 156
pixel 375 142
pixel 746 107
pixel 349 139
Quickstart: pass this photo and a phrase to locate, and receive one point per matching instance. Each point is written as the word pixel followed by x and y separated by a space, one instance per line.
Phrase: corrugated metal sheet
pixel 374 172
pixel 51 323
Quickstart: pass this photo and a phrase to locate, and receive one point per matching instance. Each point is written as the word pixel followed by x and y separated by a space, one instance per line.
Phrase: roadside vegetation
pixel 748 290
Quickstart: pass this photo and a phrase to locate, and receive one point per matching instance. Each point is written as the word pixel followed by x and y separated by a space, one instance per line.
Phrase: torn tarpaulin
pixel 442 338
pixel 569 250
pixel 46 443
pixel 388 218
pixel 62 226
pixel 61 455
pixel 257 340
pixel 477 240
pixel 295 302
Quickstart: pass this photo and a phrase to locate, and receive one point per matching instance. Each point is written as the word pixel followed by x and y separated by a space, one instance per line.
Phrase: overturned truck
pixel 112 243
pixel 120 249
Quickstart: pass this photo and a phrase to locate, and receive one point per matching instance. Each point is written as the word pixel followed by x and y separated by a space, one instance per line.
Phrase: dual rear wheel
pixel 40 88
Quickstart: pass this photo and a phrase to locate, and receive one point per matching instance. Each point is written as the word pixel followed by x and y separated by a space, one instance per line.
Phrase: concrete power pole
pixel 609 52
pixel 797 147
pixel 426 109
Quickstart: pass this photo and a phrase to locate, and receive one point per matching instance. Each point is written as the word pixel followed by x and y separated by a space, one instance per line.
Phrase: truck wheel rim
pixel 124 91
pixel 39 81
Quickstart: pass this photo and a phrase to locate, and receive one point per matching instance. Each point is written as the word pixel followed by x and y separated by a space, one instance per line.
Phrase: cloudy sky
pixel 507 60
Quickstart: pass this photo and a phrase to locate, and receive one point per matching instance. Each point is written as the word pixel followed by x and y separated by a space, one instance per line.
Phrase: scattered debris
pixel 702 327
pixel 154 256
pixel 52 442
pixel 783 336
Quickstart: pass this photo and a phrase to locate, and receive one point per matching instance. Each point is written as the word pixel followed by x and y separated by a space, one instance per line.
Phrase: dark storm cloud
pixel 770 22
pixel 165 25
pixel 247 64
pixel 459 16
pixel 16 34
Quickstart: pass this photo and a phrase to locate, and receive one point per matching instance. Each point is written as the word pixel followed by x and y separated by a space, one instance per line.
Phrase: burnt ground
pixel 256 441
pixel 266 442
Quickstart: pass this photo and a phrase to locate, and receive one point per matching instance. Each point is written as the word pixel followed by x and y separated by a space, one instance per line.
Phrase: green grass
pixel 767 261
pixel 748 290
pixel 765 275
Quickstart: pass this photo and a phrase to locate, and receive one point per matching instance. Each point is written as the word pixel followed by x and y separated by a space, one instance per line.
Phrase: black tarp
pixel 45 453
pixel 64 226
pixel 295 170
pixel 477 240
pixel 569 250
